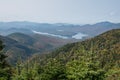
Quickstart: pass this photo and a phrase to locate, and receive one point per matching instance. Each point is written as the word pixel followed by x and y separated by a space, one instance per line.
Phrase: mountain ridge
pixel 68 30
pixel 22 45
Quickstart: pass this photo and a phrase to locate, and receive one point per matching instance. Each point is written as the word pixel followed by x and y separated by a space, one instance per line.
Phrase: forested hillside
pixel 5 69
pixel 93 59
pixel 97 58
pixel 22 45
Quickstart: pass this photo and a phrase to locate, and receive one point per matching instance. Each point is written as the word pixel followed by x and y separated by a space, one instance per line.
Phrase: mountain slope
pixel 109 40
pixel 38 41
pixel 19 45
pixel 99 56
pixel 22 38
pixel 15 50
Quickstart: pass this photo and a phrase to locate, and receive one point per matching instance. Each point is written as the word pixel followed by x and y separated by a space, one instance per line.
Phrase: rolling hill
pixel 19 45
pixel 15 49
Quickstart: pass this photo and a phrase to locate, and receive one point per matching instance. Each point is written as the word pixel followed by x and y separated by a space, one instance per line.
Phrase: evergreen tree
pixel 5 70
pixel 86 68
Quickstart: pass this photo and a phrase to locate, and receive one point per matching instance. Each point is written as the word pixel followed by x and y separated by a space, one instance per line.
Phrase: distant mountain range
pixel 66 30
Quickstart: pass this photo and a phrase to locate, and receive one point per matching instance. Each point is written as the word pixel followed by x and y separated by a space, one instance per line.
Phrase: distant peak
pixel 104 23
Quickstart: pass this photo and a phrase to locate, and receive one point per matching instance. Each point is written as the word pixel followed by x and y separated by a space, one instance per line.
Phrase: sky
pixel 60 11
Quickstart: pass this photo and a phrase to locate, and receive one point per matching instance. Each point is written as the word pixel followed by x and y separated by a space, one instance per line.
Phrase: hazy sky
pixel 60 11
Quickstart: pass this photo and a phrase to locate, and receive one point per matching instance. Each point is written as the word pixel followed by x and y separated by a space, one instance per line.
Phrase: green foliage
pixel 84 69
pixel 54 70
pixel 5 70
